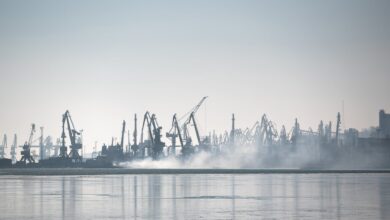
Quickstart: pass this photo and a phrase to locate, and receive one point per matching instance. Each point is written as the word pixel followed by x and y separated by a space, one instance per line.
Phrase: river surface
pixel 196 196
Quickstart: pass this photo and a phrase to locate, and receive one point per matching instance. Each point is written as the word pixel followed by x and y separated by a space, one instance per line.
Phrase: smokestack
pixel 232 131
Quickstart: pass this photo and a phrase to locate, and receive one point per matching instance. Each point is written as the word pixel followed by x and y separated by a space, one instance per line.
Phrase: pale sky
pixel 106 60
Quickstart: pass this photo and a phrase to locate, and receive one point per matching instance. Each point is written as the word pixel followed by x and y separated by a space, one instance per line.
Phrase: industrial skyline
pixel 222 109
pixel 106 61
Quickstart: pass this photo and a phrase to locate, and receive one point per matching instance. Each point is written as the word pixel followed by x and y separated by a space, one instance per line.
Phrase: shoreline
pixel 124 171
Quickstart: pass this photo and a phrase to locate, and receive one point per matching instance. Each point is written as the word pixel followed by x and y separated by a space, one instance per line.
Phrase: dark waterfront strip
pixel 116 171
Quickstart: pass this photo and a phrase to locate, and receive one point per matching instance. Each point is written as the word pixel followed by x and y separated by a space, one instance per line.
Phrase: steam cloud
pixel 254 157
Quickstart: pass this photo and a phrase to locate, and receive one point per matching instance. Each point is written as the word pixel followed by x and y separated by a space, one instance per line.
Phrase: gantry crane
pixel 26 154
pixel 158 145
pixel 155 146
pixel 74 136
pixel 191 118
pixel 173 133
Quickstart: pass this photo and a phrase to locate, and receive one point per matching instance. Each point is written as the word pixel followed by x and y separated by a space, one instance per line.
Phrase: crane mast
pixel 128 142
pixel 13 148
pixel 134 147
pixel 338 128
pixel 135 130
pixel 63 148
pixel 41 146
pixel 232 133
pixel 123 134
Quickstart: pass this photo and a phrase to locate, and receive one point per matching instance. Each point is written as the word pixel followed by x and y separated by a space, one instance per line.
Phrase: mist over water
pixel 282 157
pixel 234 158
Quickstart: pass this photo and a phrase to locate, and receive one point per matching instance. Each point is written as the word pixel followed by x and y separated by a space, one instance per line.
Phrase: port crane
pixel 74 136
pixel 13 148
pixel 135 148
pixel 149 143
pixel 26 153
pixel 191 119
pixel 173 133
pixel 158 145
pixel 155 145
pixel 3 146
pixel 265 132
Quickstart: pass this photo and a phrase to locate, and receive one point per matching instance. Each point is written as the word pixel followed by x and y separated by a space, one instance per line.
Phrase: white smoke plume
pixel 236 158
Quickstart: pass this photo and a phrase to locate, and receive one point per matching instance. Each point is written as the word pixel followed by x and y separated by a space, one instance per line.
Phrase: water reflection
pixel 311 196
pixel 384 197
pixel 233 184
pixel 174 197
pixel 123 197
pixel 63 197
pixel 135 197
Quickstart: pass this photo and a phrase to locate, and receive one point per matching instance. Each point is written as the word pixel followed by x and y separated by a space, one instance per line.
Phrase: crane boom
pixel 194 109
pixel 30 139
pixel 147 121
pixel 196 129
pixel 176 124
pixel 192 118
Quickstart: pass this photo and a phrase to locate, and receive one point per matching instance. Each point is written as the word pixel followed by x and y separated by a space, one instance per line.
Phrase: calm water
pixel 249 196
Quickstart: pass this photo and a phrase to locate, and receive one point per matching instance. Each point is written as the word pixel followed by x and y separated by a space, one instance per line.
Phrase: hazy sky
pixel 106 60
